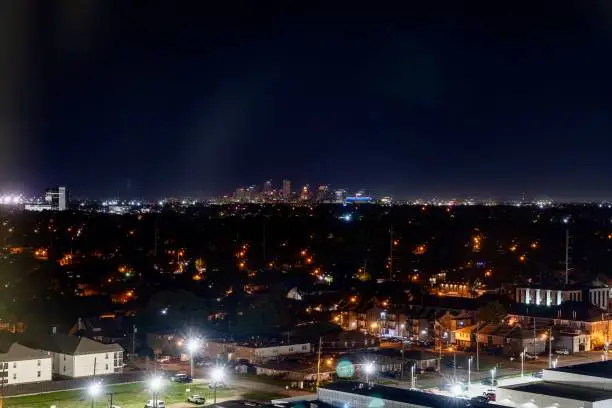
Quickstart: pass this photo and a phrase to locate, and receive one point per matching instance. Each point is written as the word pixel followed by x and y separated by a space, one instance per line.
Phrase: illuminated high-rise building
pixel 322 193
pixel 340 196
pixel 287 189
pixel 57 198
pixel 239 195
pixel 267 188
pixel 305 193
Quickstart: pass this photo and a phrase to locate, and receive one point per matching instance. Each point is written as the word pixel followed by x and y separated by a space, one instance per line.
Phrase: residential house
pixel 256 351
pixel 20 364
pixel 107 328
pixel 422 360
pixel 350 341
pixel 297 371
pixel 74 356
pixel 570 316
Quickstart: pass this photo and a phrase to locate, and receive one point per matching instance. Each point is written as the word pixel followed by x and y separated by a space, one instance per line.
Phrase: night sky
pixel 151 98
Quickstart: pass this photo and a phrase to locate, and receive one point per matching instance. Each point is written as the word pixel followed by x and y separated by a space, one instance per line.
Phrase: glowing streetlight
pixel 94 390
pixel 155 384
pixel 217 375
pixel 493 370
pixel 369 369
pixel 192 346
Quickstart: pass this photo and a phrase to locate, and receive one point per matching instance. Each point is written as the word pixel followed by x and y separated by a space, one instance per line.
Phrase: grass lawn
pixel 266 379
pixel 262 395
pixel 125 396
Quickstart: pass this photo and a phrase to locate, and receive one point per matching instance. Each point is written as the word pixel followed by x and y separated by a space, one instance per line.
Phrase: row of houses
pixel 26 360
pixel 577 325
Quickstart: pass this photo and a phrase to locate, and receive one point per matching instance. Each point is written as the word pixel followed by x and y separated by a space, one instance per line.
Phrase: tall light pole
pixel 523 361
pixel 469 372
pixel 493 376
pixel 155 385
pixel 369 369
pixel 412 378
pixel 455 366
pixel 94 391
pixel 217 375
pixel 192 347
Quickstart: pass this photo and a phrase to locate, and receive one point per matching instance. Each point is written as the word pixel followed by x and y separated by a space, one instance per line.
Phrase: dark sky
pixel 150 98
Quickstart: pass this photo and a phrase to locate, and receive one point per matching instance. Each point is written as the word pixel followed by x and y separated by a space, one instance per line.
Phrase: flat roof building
pixel 352 394
pixel 583 385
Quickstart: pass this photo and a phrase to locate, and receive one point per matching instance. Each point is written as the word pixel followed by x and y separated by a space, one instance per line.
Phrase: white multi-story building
pixel 20 364
pixel 74 356
pixel 599 296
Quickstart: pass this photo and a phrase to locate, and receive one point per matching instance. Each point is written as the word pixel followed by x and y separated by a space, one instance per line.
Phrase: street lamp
pixel 523 361
pixel 155 385
pixel 412 377
pixel 94 390
pixel 550 339
pixel 369 369
pixel 192 347
pixel 469 372
pixel 493 376
pixel 217 375
pixel 402 326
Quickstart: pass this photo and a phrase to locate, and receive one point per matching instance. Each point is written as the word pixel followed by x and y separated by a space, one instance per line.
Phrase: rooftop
pixel 563 391
pixel 400 395
pixel 601 369
pixel 11 350
pixel 73 345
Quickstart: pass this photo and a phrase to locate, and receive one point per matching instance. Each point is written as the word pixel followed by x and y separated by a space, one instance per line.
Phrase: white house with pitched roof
pixel 20 364
pixel 74 356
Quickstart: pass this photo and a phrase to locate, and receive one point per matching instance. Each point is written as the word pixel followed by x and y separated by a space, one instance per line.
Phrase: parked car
pixel 563 351
pixel 155 404
pixel 489 395
pixel 538 374
pixel 488 381
pixel 196 399
pixel 530 356
pixel 181 378
pixel 220 384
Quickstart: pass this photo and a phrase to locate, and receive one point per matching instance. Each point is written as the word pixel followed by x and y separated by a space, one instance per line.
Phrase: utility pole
pixel 319 362
pixel 477 348
pixel 534 337
pixel 391 253
pixel 402 364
